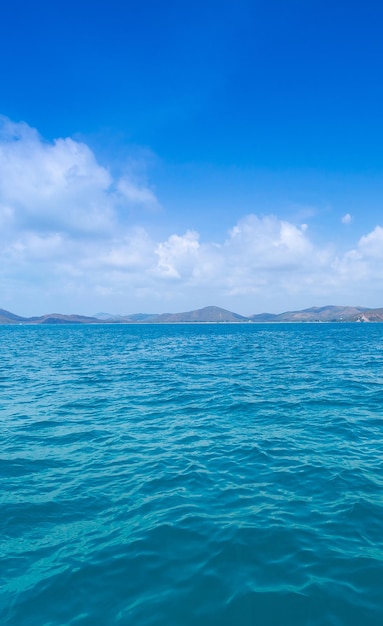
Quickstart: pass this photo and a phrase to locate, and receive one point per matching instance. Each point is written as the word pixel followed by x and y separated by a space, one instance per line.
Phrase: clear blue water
pixel 181 475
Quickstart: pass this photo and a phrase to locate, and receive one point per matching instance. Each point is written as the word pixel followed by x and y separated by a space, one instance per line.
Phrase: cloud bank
pixel 67 241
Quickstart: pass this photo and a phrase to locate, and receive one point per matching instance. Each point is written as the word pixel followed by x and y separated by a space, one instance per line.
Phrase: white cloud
pixel 136 194
pixel 178 256
pixel 371 245
pixel 59 186
pixel 65 238
pixel 267 242
pixel 132 252
pixel 259 252
pixel 346 219
pixel 273 258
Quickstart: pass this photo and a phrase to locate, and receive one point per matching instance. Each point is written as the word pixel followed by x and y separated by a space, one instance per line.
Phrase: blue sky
pixel 164 156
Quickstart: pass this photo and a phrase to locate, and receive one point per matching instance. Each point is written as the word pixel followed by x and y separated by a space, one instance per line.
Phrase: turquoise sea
pixel 178 475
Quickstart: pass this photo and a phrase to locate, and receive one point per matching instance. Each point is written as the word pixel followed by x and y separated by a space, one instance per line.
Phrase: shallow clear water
pixel 202 474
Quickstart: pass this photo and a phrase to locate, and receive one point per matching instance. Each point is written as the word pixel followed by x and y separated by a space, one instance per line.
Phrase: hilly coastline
pixel 209 314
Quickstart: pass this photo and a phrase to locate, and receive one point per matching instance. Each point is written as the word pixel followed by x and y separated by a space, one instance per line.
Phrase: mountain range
pixel 209 314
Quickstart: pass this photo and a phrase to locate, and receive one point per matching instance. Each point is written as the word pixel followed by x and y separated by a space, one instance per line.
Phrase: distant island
pixel 209 314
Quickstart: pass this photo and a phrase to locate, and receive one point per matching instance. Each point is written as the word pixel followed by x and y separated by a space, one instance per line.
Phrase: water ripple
pixel 210 474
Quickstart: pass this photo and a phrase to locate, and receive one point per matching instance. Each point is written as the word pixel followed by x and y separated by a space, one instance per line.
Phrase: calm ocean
pixel 179 475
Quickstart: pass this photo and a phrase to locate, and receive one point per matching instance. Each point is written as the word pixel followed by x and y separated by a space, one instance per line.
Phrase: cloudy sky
pixel 165 156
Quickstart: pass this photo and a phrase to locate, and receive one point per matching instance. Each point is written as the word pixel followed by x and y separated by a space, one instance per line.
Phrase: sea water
pixel 172 475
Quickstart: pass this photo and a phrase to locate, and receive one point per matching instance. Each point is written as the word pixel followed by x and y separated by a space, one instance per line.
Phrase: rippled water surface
pixel 192 474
